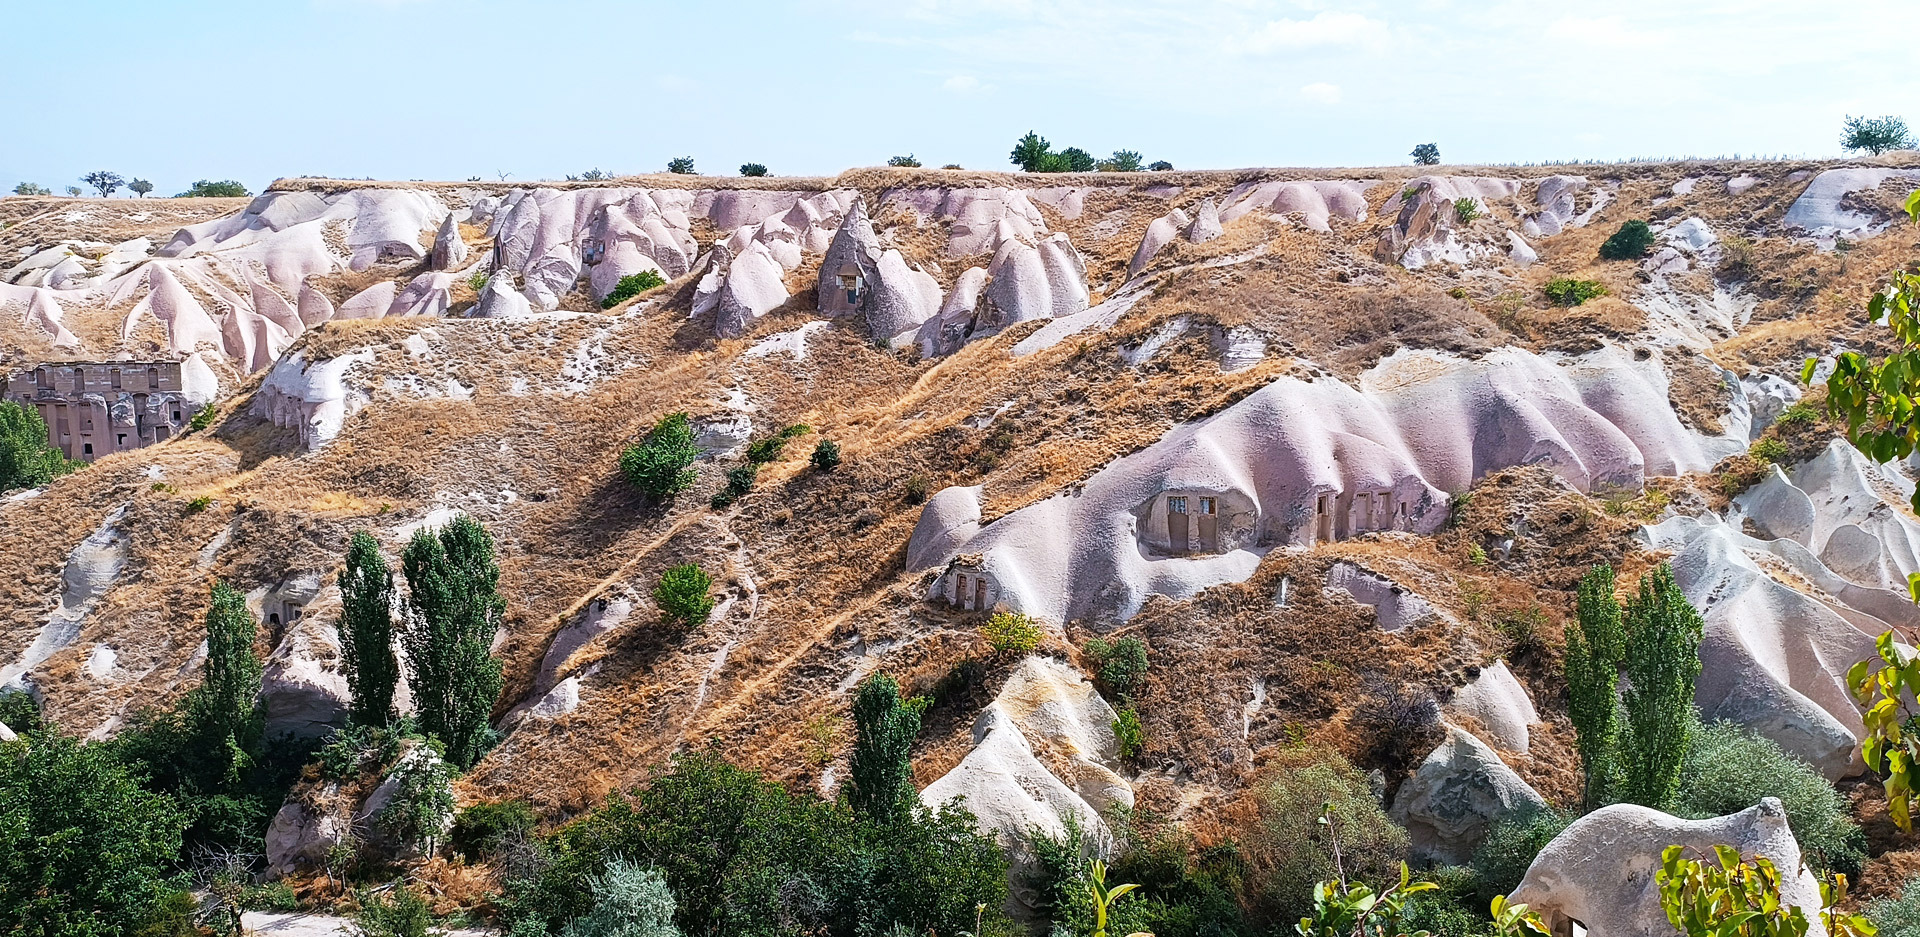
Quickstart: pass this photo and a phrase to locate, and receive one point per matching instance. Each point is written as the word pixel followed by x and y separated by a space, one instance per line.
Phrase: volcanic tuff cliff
pixel 1236 414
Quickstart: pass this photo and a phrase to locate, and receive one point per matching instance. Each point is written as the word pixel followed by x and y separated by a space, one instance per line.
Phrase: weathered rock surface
pixel 1499 705
pixel 1456 796
pixel 1600 871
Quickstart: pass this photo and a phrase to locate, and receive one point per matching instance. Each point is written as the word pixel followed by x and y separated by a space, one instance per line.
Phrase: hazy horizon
pixel 437 89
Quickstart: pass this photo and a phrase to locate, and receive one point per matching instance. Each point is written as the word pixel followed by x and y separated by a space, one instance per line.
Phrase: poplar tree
pixel 1663 636
pixel 1596 647
pixel 224 709
pixel 366 632
pixel 454 610
pixel 880 774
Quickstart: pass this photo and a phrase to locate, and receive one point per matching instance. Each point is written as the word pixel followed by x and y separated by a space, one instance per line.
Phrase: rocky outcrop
pixel 739 290
pixel 1313 204
pixel 860 276
pixel 1499 706
pixel 449 250
pixel 1029 280
pixel 312 399
pixel 187 324
pixel 1600 871
pixel 499 300
pixel 429 294
pixel 92 567
pixel 977 219
pixel 1427 227
pixel 1043 751
pixel 370 303
pixel 1456 797
pixel 1825 212
pixel 948 331
pixel 1322 460
pixel 1394 606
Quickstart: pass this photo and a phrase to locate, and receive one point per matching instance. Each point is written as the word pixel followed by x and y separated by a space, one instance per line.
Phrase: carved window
pixel 1177 505
pixel 1206 506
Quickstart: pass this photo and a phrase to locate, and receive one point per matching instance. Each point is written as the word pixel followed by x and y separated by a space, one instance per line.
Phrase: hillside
pixel 1398 454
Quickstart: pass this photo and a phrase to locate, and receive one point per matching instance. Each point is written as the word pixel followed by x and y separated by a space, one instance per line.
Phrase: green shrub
pixel 271 896
pixel 1119 665
pixel 1287 849
pixel 680 165
pixel 1121 161
pixel 1128 733
pixel 879 772
pixel 762 451
pixel 1875 135
pixel 1031 152
pixel 352 751
pixel 1447 910
pixel 26 458
pixel 1797 415
pixel 740 480
pixel 479 829
pixel 1898 916
pixel 421 810
pixel 81 843
pixel 906 161
pixel 916 489
pixel 1728 769
pixel 1426 154
pixel 660 463
pixel 1629 243
pixel 478 281
pixel 199 504
pixel 744 855
pixel 31 188
pixel 826 455
pixel 1466 211
pixel 1566 291
pixel 753 169
pixel 1769 449
pixel 20 712
pixel 682 596
pixel 202 418
pixel 1011 633
pixel 1510 847
pixel 628 901
pixel 209 189
pixel 1160 165
pixel 393 911
pixel 1076 159
pixel 1184 891
pixel 631 285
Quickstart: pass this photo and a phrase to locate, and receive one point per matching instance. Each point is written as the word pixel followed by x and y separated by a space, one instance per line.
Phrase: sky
pixel 173 91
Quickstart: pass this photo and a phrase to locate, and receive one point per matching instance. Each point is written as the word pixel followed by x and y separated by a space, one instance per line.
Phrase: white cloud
pixel 1325 29
pixel 961 84
pixel 1320 93
pixel 1609 31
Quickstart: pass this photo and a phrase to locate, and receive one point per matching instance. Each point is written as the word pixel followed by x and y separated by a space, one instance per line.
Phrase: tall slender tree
pixel 1596 647
pixel 225 708
pixel 366 632
pixel 1663 662
pixel 880 773
pixel 454 611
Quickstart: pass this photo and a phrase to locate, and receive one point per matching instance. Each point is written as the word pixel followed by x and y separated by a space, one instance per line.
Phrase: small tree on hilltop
pixel 659 464
pixel 140 187
pixel 103 181
pixel 1662 663
pixel 1121 161
pixel 1426 154
pixel 680 165
pixel 26 460
pixel 31 188
pixel 1031 152
pixel 1596 647
pixel 880 774
pixel 1078 160
pixel 682 595
pixel 753 169
pixel 1876 135
pixel 905 162
pixel 207 188
pixel 454 611
pixel 366 632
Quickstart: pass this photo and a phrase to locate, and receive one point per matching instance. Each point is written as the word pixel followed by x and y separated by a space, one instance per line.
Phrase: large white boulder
pixel 1499 705
pixel 1456 796
pixel 1034 280
pixel 752 285
pixel 449 251
pixel 314 399
pixel 1600 871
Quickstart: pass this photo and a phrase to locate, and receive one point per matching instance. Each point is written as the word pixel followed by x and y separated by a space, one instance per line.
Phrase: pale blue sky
pixel 446 89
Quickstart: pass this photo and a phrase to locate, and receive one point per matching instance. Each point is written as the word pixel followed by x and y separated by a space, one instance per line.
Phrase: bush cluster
pixel 1011 633
pixel 1034 154
pixel 631 285
pixel 660 464
pixel 1566 291
pixel 1119 665
pixel 683 596
pixel 1631 242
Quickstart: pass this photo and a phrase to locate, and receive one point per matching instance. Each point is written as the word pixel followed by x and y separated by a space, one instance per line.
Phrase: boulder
pixel 1206 223
pixel 1500 705
pixel 1519 251
pixel 1394 605
pixel 751 286
pixel 314 306
pixel 428 294
pixel 1456 796
pixel 449 251
pixel 1160 232
pixel 1600 871
pixel 370 303
pixel 949 330
pixel 6 734
pixel 300 836
pixel 499 300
